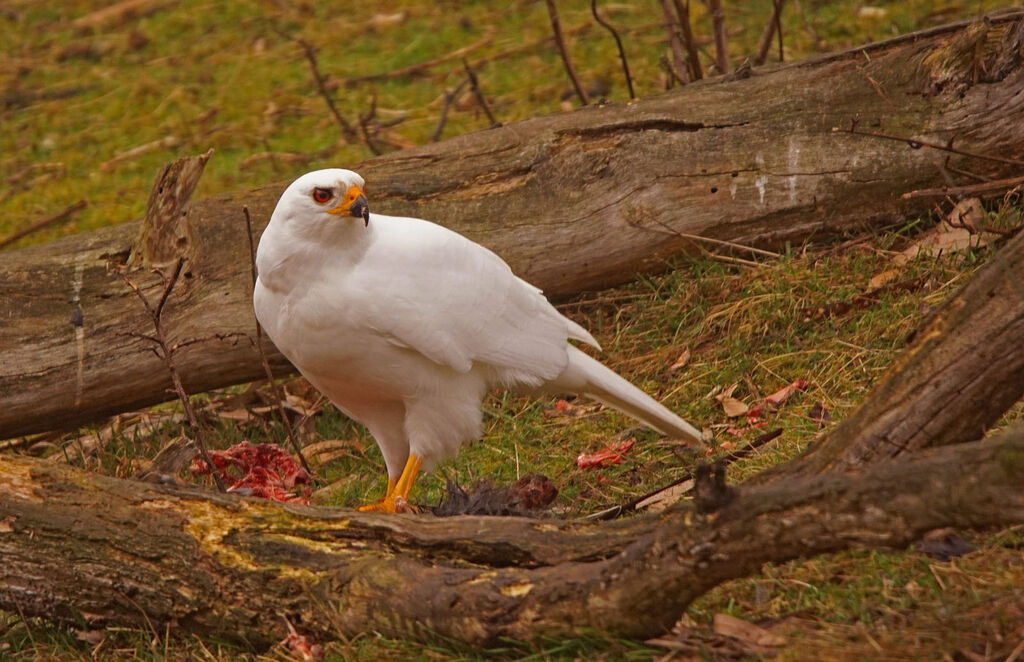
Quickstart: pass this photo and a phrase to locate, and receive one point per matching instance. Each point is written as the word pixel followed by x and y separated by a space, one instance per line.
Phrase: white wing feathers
pixel 457 303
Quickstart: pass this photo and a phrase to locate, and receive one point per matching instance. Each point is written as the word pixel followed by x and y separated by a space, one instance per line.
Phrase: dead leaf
pixel 5 524
pixel 732 407
pixel 819 414
pixel 880 279
pixel 748 633
pixel 967 213
pixel 661 500
pixel 780 396
pixel 943 238
pixel 683 359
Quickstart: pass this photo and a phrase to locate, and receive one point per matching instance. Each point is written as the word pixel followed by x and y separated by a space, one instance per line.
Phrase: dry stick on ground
pixel 996 186
pixel 165 352
pixel 449 98
pixel 721 40
pixel 279 395
pixel 631 506
pixel 478 93
pixel 676 67
pixel 618 44
pixel 916 143
pixel 692 56
pixel 774 26
pixel 321 83
pixel 563 50
pixel 44 223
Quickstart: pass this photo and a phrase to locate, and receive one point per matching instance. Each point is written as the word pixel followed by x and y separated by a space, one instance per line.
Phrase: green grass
pixel 218 75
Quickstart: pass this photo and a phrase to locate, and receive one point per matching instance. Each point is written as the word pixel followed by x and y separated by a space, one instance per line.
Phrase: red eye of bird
pixel 321 195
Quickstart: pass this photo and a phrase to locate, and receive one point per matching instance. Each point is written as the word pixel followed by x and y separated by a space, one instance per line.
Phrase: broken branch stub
pixel 166 233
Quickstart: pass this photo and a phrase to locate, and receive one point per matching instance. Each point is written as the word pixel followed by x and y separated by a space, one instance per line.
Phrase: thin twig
pixel 778 25
pixel 916 143
pixel 165 352
pixel 630 506
pixel 560 43
pixel 721 41
pixel 449 98
pixel 39 225
pixel 774 25
pixel 618 42
pixel 718 242
pixel 279 395
pixel 346 128
pixel 970 189
pixel 676 66
pixel 478 94
pixel 364 121
pixel 692 56
pixel 673 74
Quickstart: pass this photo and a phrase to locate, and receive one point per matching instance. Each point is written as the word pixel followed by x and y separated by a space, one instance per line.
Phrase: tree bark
pixel 85 547
pixel 574 201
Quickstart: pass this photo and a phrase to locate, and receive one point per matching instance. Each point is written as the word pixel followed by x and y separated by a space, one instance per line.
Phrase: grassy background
pixel 183 76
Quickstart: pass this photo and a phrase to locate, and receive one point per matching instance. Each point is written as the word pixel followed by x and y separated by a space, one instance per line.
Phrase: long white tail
pixel 589 377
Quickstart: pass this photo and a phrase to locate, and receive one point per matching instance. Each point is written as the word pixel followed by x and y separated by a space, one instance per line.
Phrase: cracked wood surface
pixel 574 201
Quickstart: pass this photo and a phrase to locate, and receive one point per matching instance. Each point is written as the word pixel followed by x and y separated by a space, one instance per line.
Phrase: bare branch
pixel 165 352
pixel 475 85
pixel 618 43
pixel 692 56
pixel 564 51
pixel 774 26
pixel 676 66
pixel 449 98
pixel 916 143
pixel 321 83
pixel 44 223
pixel 721 39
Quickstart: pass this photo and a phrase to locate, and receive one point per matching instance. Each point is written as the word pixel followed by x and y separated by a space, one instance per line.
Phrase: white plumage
pixel 405 325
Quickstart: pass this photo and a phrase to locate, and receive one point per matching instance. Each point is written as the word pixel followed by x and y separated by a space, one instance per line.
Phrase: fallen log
pixel 574 201
pixel 93 551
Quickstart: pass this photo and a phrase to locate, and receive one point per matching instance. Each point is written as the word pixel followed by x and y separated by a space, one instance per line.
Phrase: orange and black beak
pixel 354 204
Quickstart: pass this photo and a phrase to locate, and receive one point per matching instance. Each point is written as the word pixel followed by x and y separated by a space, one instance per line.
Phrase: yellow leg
pixel 397 495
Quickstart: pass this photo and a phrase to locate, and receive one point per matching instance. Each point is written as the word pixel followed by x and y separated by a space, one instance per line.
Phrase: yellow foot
pixel 390 504
pixel 396 499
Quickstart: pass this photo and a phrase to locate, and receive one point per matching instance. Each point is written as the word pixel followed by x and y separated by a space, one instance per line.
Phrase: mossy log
pixel 91 550
pixel 573 201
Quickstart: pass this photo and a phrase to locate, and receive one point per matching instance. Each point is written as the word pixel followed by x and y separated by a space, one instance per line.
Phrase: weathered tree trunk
pixel 573 201
pixel 79 546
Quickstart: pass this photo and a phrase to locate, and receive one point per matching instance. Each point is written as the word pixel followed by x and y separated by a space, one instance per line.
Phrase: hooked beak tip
pixel 360 209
